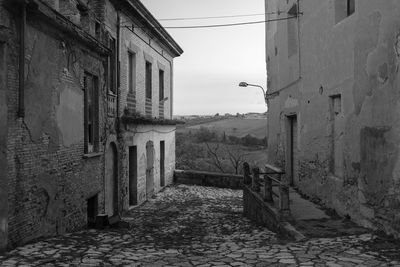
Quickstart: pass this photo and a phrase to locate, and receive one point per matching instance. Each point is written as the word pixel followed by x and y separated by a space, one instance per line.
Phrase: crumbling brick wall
pixel 49 177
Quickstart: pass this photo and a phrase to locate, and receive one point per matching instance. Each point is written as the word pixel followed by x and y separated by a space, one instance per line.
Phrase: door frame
pixel 290 167
pixel 150 169
pixel 114 148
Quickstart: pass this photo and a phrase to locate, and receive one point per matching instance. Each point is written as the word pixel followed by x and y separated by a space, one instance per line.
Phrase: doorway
pixel 111 181
pixel 92 211
pixel 162 163
pixel 292 151
pixel 132 175
pixel 149 169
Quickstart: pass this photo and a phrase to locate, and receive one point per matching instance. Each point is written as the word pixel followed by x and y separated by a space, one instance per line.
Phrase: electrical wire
pixel 217 25
pixel 156 131
pixel 220 17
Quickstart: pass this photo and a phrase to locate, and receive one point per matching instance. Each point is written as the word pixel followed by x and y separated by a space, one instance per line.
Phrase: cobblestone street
pixel 196 226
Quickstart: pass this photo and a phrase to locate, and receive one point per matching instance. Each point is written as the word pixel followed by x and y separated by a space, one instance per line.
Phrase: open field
pixel 238 127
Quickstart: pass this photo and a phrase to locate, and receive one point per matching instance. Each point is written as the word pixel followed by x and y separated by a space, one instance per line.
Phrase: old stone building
pixel 64 152
pixel 147 131
pixel 334 118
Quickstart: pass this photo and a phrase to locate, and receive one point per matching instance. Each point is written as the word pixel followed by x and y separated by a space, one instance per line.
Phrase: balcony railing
pixel 131 102
pixel 161 110
pixel 111 105
pixel 148 109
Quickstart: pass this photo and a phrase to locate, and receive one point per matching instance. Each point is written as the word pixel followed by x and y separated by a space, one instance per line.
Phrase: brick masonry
pixel 49 180
pixel 49 177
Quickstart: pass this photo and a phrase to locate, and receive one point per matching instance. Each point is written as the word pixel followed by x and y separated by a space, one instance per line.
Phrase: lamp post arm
pixel 259 86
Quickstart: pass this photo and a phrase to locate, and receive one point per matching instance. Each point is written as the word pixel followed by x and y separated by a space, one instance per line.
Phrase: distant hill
pixel 255 125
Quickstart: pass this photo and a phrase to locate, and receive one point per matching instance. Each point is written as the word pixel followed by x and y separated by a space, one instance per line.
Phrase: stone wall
pixel 347 154
pixel 222 180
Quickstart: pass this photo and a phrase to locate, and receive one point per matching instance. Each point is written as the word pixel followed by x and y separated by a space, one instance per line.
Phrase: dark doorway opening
pixel 292 157
pixel 162 163
pixel 132 175
pixel 92 211
pixel 149 169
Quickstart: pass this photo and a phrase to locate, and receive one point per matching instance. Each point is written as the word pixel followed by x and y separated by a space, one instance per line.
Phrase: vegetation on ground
pixel 207 150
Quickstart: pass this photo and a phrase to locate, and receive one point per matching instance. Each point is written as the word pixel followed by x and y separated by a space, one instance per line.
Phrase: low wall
pixel 265 214
pixel 214 179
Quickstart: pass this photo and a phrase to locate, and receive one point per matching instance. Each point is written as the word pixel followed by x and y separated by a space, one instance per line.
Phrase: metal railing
pixel 148 109
pixel 111 105
pixel 272 177
pixel 161 110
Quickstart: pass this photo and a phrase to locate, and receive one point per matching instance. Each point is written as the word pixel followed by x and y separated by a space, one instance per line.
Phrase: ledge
pixel 127 119
pixel 204 178
pixel 39 11
pixel 92 155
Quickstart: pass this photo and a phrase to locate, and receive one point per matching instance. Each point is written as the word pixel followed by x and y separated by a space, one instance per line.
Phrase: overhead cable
pixel 217 25
pixel 220 17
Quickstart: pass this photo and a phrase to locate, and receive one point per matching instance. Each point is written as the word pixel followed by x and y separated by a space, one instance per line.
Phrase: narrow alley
pixel 196 226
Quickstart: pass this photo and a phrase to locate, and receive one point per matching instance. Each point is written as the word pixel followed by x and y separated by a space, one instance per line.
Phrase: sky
pixel 215 60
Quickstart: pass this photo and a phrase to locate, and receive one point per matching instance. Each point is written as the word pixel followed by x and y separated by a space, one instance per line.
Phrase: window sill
pixel 92 155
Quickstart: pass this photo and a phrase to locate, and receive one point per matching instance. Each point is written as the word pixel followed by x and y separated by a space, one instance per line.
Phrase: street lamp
pixel 245 84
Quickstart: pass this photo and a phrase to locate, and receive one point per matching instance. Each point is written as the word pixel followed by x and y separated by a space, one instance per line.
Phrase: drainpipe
pixel 298 36
pixel 118 68
pixel 171 92
pixel 21 98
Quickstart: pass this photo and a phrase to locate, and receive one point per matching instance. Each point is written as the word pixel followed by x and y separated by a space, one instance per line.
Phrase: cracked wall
pixel 49 179
pixel 3 148
pixel 358 59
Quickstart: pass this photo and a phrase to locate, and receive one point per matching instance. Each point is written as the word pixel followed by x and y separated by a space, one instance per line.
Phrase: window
pixel 91 102
pixel 161 84
pixel 97 30
pixel 148 80
pixel 351 7
pixel 343 9
pixel 112 71
pixel 131 71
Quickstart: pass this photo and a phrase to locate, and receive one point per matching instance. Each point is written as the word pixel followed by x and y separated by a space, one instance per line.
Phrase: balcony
pixel 148 110
pixel 111 105
pixel 161 110
pixel 131 102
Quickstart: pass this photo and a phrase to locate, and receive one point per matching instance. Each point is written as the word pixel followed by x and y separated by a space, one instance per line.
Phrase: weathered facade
pixel 333 82
pixel 147 131
pixel 62 147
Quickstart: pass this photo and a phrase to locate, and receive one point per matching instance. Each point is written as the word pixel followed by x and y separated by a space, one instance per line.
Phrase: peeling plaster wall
pixel 358 58
pixel 139 136
pixel 146 48
pixel 49 180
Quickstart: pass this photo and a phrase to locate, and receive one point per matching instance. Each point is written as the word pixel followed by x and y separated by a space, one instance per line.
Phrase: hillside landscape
pixel 221 143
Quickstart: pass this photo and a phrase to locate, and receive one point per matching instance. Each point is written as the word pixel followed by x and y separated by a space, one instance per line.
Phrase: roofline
pixel 153 24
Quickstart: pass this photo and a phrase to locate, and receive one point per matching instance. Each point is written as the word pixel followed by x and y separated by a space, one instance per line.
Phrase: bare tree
pixel 235 157
pixel 215 158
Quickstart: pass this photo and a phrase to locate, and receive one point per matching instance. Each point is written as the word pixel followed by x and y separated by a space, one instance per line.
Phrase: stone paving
pixel 197 226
